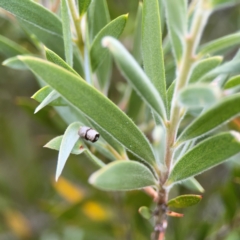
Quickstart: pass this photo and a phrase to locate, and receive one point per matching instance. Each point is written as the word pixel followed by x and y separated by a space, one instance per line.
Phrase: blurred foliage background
pixel 33 206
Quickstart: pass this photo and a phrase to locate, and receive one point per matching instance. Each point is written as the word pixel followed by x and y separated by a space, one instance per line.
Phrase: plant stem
pixel 76 21
pixel 188 59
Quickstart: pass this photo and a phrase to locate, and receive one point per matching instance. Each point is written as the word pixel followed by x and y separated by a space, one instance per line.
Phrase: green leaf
pixel 231 67
pixel 152 47
pixel 94 105
pixel 122 176
pixel 69 139
pixel 170 93
pixel 176 15
pixel 137 41
pixel 221 112
pixel 203 67
pixel 205 155
pixel 220 4
pixel 9 48
pixel 54 58
pixel 98 17
pixel 232 82
pixel 78 148
pixel 184 201
pixel 56 142
pixel 83 6
pixel 145 212
pixel 114 28
pixel 135 75
pixel 35 14
pixel 67 35
pixel 220 44
pixel 198 96
pixel 193 185
pixel 52 96
pixel 53 42
pixel 14 63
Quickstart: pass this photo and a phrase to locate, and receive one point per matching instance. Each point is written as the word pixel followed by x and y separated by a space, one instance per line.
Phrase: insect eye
pixel 89 134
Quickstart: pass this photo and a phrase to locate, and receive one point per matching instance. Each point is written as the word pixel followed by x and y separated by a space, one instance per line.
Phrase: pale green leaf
pixel 54 58
pixel 176 16
pixel 98 17
pixel 231 67
pixel 184 201
pixel 170 93
pixel 220 4
pixel 14 63
pixel 193 185
pixel 53 42
pixel 114 28
pixel 135 76
pixel 83 6
pixel 203 67
pixel 9 48
pixel 67 35
pixel 205 155
pixel 198 95
pixel 224 110
pixel 69 140
pixel 123 176
pixel 35 14
pixel 94 105
pixel 145 212
pixel 137 41
pixel 232 82
pixel 152 47
pixel 52 96
pixel 56 142
pixel 220 44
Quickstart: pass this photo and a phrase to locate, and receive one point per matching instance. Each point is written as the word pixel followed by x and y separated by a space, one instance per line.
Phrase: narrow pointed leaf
pixel 220 44
pixel 69 140
pixel 170 93
pixel 184 201
pixel 10 48
pixel 203 67
pixel 42 93
pixel 83 6
pixel 98 17
pixel 54 58
pixel 152 46
pixel 145 212
pixel 176 16
pixel 232 82
pixel 114 28
pixel 55 144
pixel 53 95
pixel 231 67
pixel 207 154
pixel 193 185
pixel 198 96
pixel 221 112
pixel 135 76
pixel 123 176
pixel 67 35
pixel 33 13
pixel 94 105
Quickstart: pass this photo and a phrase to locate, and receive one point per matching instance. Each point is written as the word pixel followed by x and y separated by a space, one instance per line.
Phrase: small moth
pixel 89 134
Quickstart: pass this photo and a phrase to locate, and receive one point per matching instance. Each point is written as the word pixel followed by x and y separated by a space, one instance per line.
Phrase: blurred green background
pixel 33 206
